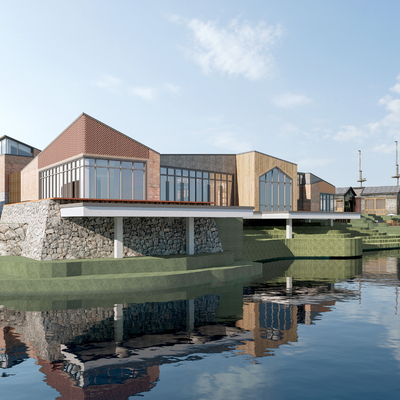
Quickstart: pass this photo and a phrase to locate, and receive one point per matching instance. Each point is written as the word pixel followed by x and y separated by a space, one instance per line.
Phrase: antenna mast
pixel 397 165
pixel 361 179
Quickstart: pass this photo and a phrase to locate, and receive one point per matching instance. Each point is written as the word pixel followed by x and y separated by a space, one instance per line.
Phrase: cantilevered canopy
pixel 152 210
pixel 304 215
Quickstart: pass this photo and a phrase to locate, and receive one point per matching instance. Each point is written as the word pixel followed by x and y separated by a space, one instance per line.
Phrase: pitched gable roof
pixel 87 135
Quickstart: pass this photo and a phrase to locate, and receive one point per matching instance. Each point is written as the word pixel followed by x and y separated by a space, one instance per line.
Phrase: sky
pixel 311 81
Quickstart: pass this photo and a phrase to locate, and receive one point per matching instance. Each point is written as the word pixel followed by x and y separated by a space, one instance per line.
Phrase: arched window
pixel 275 191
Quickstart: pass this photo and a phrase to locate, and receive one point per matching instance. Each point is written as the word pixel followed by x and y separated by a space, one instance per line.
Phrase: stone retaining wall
pixel 50 237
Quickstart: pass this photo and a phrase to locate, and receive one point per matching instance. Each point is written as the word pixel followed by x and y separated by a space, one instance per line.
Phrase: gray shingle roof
pixel 342 191
pixel 381 190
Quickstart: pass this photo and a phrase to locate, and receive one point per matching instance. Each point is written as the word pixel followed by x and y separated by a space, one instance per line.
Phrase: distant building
pixel 378 200
pixel 314 194
pixel 14 156
pixel 345 200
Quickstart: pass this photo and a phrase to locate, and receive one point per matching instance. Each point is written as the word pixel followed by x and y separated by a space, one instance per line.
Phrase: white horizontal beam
pixel 304 215
pixel 112 210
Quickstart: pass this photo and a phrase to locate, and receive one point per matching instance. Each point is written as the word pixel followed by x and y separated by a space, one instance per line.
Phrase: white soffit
pixel 304 215
pixel 152 210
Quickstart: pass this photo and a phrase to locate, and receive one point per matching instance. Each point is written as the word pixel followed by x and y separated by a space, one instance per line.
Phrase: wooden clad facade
pixel 15 187
pixel 250 167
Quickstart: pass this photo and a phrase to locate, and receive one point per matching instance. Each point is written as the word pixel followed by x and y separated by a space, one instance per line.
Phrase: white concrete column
pixel 189 235
pixel 289 229
pixel 118 237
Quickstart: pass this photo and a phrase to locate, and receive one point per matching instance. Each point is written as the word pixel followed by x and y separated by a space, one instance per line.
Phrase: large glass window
pixel 9 146
pixel 326 202
pixel 191 185
pixel 95 179
pixel 275 191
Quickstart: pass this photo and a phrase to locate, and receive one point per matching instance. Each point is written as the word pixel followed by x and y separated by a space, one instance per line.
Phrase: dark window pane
pixel 126 184
pixel 90 183
pixel 178 189
pixel 199 196
pixel 163 188
pixel 262 196
pixel 288 197
pixel 115 180
pixel 192 189
pixel 138 192
pixel 185 189
pixel 171 187
pixel 275 173
pixel 126 164
pixel 268 200
pixel 12 147
pixel 138 165
pixel 89 161
pixel 101 183
pixel 115 164
pixel 24 150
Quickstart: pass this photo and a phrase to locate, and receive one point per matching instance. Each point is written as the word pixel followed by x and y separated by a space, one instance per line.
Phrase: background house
pixel 314 194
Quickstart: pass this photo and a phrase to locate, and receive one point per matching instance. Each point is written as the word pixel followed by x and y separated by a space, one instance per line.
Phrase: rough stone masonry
pixel 36 230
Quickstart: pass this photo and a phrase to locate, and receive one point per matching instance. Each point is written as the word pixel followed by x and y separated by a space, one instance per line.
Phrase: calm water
pixel 336 335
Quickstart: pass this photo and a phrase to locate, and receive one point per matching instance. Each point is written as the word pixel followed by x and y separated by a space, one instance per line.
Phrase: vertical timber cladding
pixel 15 187
pixel 250 166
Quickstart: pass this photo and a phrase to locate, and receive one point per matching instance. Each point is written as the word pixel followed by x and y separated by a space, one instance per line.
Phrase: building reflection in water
pixel 116 352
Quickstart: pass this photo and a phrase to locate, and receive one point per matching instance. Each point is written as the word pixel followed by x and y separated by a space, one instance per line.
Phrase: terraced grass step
pixel 110 283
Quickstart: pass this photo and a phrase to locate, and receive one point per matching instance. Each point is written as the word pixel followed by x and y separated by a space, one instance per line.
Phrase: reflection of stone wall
pixel 50 237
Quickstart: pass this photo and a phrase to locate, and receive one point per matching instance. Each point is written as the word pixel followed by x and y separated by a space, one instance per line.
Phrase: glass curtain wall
pixel 95 179
pixel 8 146
pixel 198 186
pixel 326 202
pixel 275 191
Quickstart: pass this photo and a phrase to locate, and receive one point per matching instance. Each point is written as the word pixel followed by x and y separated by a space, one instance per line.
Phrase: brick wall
pixel 153 176
pixel 30 181
pixel 86 135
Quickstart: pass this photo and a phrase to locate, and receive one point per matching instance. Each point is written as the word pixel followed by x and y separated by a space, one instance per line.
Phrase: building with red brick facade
pixel 14 156
pixel 93 161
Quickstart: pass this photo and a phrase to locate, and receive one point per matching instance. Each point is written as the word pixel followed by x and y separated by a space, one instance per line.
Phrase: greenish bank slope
pixel 20 275
pixel 316 240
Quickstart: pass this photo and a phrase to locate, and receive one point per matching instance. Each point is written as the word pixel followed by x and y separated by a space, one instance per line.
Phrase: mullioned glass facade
pixel 275 191
pixel 177 184
pixel 94 179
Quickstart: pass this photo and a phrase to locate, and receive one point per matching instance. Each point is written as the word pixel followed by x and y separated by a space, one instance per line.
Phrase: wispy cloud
pixel 172 88
pixel 109 83
pixel 146 93
pixel 227 140
pixel 115 85
pixel 396 87
pixel 384 148
pixel 289 100
pixel 348 133
pixel 307 164
pixel 389 124
pixel 239 49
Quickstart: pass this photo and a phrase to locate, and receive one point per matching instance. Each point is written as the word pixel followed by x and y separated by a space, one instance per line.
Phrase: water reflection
pixel 116 351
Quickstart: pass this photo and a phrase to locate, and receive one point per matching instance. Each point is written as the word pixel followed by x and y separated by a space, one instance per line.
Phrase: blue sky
pixel 308 81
